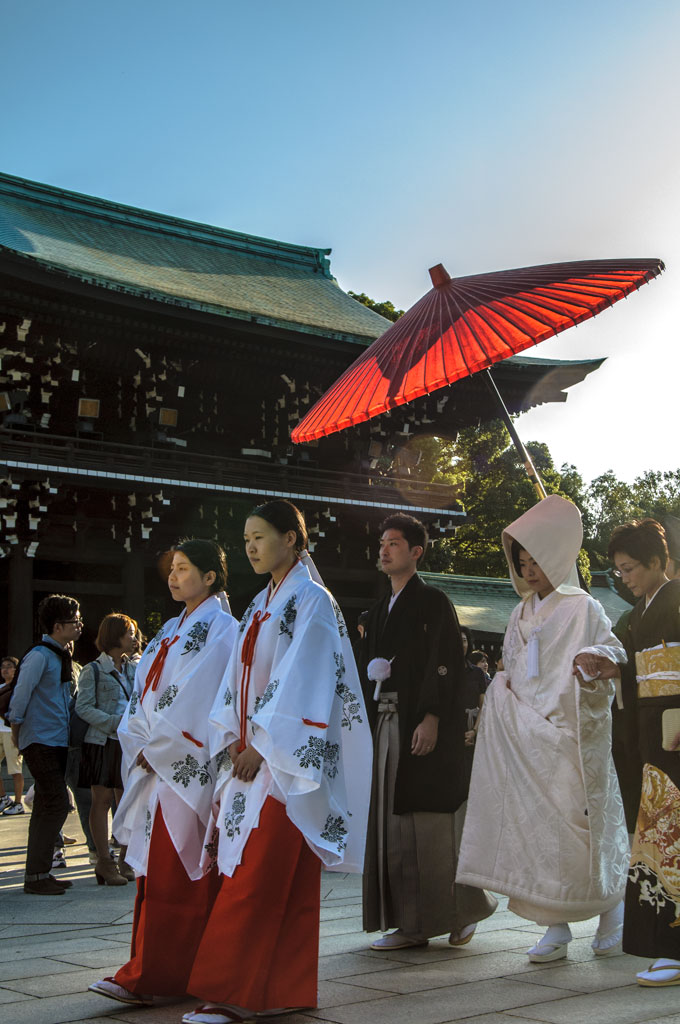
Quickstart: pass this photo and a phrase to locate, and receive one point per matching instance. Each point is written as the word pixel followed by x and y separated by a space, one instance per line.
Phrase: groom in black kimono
pixel 412 666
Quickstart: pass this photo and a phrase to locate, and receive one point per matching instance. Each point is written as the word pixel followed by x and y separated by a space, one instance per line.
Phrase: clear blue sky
pixel 482 135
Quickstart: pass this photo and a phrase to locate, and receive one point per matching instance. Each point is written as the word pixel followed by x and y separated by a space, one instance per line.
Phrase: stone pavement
pixel 52 947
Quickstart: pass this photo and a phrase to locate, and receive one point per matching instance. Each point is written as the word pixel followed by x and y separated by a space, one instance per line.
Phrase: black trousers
pixel 51 804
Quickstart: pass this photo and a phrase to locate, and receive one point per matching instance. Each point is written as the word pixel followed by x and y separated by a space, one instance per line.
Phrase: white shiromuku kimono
pixel 545 822
pixel 306 717
pixel 170 725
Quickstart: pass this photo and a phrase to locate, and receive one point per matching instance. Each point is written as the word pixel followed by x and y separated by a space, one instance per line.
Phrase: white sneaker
pixel 58 859
pixel 13 807
pixel 5 801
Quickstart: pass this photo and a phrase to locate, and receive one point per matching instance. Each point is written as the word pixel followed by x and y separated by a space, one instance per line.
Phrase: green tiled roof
pixel 484 603
pixel 180 262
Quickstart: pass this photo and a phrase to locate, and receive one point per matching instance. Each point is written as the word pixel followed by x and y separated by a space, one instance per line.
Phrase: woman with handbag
pixel 104 689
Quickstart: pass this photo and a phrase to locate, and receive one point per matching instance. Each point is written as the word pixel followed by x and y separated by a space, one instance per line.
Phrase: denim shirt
pixel 40 702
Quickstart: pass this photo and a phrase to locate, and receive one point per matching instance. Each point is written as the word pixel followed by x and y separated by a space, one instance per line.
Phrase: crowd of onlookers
pixel 61 720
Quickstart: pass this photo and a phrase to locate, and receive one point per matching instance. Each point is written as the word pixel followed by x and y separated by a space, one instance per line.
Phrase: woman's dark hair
pixel 111 629
pixel 56 608
pixel 515 551
pixel 140 639
pixel 284 516
pixel 476 656
pixel 642 539
pixel 207 556
pixel 467 633
pixel 413 530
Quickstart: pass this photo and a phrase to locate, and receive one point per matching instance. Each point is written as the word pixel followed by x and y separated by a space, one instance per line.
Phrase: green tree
pixel 385 308
pixel 483 466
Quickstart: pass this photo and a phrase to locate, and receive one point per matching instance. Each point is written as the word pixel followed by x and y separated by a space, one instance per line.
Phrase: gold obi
pixel 658 671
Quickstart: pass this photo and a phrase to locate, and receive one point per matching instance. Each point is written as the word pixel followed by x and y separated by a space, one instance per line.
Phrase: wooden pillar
pixel 20 633
pixel 133 586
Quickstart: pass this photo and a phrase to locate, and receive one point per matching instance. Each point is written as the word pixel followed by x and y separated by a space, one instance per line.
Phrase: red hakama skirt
pixel 260 947
pixel 170 916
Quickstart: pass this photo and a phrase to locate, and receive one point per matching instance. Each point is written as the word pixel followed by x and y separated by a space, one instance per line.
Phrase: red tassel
pixel 318 725
pixel 188 736
pixel 154 674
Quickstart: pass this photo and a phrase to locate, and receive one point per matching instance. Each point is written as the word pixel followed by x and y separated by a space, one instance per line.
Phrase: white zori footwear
pixel 214 1013
pixel 398 940
pixel 553 945
pixel 609 934
pixel 661 972
pixel 108 987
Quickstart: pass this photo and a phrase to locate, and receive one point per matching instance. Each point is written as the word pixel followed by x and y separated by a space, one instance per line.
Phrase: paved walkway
pixel 52 947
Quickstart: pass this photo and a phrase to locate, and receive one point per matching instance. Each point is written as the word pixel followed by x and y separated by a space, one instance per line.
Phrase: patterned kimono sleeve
pixel 178 748
pixel 310 725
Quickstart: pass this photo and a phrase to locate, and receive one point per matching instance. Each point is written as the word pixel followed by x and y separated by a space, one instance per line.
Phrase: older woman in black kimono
pixel 652 639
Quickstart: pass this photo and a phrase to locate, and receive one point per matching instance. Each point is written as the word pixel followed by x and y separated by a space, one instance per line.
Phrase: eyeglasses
pixel 625 571
pixel 71 622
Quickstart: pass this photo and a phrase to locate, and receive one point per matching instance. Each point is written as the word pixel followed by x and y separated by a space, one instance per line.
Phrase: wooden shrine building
pixel 151 371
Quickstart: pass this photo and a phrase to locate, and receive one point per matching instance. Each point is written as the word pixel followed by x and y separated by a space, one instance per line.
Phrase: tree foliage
pixel 385 308
pixel 493 487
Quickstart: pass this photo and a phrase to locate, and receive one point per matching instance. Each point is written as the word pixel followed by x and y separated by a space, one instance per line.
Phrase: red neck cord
pixel 154 674
pixel 247 656
pixel 158 664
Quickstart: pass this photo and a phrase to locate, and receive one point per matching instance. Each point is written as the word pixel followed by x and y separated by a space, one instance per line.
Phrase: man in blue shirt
pixel 39 715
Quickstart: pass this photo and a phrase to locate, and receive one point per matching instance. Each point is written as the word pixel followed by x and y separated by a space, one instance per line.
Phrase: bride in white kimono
pixel 294 750
pixel 545 822
pixel 169 778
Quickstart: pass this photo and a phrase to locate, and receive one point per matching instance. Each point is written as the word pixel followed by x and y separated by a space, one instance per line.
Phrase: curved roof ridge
pixel 117 213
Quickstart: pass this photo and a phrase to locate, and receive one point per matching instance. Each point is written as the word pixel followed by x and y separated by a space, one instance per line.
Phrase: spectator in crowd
pixel 8 749
pixel 481 661
pixel 39 714
pixel 104 689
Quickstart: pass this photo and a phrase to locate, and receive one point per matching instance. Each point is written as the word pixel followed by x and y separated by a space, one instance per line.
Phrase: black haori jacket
pixel 422 636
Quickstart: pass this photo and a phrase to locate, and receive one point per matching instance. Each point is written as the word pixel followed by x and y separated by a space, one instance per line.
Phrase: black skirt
pixel 100 765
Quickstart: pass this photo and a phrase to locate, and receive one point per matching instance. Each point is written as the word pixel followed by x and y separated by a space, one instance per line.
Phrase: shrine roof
pixel 180 262
pixel 484 603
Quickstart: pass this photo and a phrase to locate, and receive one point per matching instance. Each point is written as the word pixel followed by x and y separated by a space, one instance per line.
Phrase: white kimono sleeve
pixel 311 727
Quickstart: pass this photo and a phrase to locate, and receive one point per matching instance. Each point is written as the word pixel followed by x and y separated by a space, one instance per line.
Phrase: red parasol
pixel 464 325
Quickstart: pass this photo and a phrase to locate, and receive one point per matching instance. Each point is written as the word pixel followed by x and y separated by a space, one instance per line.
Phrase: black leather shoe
pixel 44 887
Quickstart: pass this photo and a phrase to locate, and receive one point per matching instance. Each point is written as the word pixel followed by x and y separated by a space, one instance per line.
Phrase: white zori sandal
pixel 661 972
pixel 553 945
pixel 214 1013
pixel 608 939
pixel 462 937
pixel 108 987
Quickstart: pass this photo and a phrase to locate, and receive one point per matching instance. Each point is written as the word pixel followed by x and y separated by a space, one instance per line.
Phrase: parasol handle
pixel 531 470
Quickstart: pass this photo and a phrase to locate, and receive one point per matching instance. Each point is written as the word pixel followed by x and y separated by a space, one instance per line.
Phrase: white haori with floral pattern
pixel 170 725
pixel 307 718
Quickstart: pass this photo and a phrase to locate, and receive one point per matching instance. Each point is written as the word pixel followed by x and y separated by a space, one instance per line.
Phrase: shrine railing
pixel 142 465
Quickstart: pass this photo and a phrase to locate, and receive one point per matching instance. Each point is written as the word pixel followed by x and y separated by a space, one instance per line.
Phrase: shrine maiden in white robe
pixel 306 717
pixel 170 725
pixel 545 822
